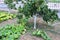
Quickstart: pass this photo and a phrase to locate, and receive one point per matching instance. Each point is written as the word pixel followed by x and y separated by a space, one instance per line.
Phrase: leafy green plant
pixel 41 33
pixel 11 32
pixel 5 16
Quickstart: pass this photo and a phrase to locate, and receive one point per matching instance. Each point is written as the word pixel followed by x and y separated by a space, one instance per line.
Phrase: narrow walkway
pixel 10 21
pixel 27 36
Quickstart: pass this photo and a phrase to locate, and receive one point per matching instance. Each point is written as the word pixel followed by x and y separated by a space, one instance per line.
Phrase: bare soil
pixel 10 21
pixel 54 34
pixel 28 36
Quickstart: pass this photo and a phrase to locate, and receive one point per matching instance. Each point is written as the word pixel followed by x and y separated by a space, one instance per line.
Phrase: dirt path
pixel 10 21
pixel 54 33
pixel 54 36
pixel 57 27
pixel 28 36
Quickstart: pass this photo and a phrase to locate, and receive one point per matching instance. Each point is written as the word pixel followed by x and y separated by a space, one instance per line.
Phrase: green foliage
pixel 5 16
pixel 22 21
pixel 8 1
pixel 32 7
pixel 11 32
pixel 41 33
pixel 10 4
pixel 47 14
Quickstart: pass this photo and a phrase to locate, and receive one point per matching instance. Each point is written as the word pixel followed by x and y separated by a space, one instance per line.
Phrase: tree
pixel 33 7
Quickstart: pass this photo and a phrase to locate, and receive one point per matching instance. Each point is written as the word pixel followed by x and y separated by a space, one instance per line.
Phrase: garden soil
pixel 54 33
pixel 10 21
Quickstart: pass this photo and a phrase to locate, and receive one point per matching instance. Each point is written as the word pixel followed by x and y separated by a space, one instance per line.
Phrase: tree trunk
pixel 35 21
